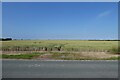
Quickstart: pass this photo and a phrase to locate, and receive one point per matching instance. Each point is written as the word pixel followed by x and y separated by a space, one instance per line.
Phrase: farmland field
pixel 80 48
pixel 64 45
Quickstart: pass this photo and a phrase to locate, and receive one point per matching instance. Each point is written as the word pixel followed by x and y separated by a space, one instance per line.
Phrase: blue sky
pixel 63 20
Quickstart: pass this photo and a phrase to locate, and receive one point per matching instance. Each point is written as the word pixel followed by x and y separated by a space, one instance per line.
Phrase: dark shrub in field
pixel 57 47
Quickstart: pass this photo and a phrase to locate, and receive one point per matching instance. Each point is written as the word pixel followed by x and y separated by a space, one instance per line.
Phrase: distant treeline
pixel 8 39
pixel 103 40
pixel 5 39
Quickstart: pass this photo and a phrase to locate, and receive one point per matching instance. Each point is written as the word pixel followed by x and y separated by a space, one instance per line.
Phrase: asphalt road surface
pixel 59 69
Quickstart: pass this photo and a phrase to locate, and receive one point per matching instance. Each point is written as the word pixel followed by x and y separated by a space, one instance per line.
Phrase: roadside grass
pixel 113 58
pixel 0 56
pixel 78 56
pixel 59 56
pixel 21 56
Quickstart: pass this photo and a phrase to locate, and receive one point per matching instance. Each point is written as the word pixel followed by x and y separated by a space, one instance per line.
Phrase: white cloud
pixel 103 14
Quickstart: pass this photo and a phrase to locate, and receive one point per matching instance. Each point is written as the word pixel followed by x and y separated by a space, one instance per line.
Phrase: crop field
pixel 60 49
pixel 58 45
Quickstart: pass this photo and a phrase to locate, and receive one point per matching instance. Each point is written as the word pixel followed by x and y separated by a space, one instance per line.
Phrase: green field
pixel 59 45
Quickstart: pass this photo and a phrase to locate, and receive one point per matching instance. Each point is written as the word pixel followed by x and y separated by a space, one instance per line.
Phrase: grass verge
pixel 21 56
pixel 57 56
pixel 74 56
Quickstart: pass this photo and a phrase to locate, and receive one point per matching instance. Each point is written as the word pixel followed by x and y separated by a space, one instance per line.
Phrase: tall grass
pixel 115 50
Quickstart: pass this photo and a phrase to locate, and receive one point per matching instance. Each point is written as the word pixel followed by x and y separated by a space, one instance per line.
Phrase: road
pixel 59 69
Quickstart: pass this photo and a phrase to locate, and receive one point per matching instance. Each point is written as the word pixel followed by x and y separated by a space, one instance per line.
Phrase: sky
pixel 60 20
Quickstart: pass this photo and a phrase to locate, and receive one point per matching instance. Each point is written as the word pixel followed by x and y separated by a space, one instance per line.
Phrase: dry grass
pixel 62 49
pixel 58 45
pixel 76 56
